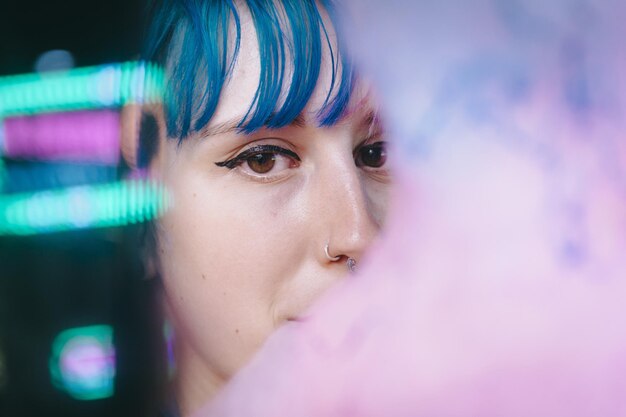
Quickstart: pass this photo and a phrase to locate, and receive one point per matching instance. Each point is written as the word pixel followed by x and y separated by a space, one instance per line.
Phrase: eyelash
pixel 243 156
pixel 273 149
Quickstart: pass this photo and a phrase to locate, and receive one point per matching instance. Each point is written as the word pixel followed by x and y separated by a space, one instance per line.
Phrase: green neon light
pixel 108 205
pixel 81 88
pixel 84 381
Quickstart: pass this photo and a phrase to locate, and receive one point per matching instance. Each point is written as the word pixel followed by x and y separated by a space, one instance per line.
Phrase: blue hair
pixel 190 38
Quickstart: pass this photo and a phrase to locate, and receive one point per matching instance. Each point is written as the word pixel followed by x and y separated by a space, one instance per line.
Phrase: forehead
pixel 240 89
pixel 265 64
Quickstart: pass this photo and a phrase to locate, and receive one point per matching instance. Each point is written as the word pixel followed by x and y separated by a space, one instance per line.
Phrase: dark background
pixel 95 32
pixel 54 282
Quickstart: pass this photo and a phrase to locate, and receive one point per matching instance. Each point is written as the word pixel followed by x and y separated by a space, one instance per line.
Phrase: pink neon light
pixel 89 136
pixel 88 359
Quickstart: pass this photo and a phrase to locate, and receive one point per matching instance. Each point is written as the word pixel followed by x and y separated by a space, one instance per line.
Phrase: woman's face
pixel 242 249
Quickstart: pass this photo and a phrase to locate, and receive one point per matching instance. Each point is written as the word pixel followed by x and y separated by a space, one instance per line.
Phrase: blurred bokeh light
pixel 54 60
pixel 83 362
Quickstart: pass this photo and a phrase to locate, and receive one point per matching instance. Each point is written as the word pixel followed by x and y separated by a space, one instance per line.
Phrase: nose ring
pixel 330 258
pixel 350 263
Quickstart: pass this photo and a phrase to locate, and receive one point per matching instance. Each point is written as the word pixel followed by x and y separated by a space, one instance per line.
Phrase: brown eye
pixel 261 163
pixel 373 156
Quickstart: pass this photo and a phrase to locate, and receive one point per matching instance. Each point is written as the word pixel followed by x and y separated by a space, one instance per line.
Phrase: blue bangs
pixel 192 40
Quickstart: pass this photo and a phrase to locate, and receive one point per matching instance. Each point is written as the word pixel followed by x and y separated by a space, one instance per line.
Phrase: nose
pixel 346 219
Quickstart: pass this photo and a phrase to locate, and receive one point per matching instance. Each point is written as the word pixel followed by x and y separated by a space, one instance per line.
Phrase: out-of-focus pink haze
pixel 498 287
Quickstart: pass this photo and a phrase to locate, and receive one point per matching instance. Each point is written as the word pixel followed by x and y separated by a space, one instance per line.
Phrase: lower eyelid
pixel 292 163
pixel 260 177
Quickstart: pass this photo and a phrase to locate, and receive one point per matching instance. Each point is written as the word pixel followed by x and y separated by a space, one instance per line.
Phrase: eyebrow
pixel 370 119
pixel 371 122
pixel 233 126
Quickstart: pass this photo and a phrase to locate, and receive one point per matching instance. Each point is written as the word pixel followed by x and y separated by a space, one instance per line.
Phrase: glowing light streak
pixel 22 177
pixel 83 362
pixel 81 88
pixel 92 136
pixel 106 205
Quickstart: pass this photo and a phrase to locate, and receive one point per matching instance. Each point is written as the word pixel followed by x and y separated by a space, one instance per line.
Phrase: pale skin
pixel 241 251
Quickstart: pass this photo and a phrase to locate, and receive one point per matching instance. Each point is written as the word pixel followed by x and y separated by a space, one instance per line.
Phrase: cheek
pixel 378 196
pixel 225 255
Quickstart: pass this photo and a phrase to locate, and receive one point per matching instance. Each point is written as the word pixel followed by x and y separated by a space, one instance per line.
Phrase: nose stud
pixel 351 265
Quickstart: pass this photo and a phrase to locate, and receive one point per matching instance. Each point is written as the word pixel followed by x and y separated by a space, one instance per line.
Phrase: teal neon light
pixel 108 205
pixel 83 362
pixel 81 88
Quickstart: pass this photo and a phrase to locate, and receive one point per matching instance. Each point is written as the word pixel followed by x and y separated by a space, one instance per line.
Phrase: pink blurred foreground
pixel 499 286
